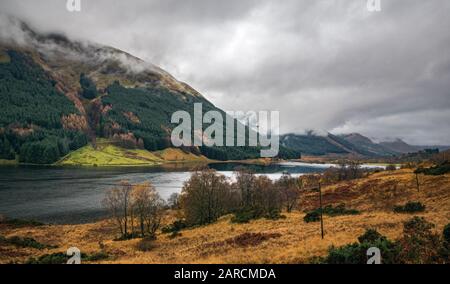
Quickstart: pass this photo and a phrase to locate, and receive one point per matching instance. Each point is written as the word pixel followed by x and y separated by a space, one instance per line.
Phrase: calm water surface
pixel 74 195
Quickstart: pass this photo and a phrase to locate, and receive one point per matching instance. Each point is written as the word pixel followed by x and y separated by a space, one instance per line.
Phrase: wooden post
pixel 417 182
pixel 321 210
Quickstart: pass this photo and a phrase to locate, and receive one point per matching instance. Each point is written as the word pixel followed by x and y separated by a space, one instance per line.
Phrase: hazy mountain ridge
pixel 353 143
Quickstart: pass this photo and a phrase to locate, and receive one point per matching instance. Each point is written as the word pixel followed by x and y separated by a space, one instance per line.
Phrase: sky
pixel 330 66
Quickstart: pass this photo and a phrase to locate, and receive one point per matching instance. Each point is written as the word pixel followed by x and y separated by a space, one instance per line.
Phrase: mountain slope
pixel 57 95
pixel 311 144
pixel 365 144
pixel 354 144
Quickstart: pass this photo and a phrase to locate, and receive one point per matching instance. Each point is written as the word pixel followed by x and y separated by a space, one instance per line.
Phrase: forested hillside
pixel 58 95
pixel 31 111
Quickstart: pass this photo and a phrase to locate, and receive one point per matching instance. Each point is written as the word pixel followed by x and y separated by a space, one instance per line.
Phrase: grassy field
pixel 288 240
pixel 107 154
pixel 177 155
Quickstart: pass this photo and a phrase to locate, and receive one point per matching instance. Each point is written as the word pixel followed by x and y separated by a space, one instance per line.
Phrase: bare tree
pixel 267 195
pixel 174 200
pixel 289 191
pixel 205 197
pixel 117 200
pixel 130 203
pixel 147 205
pixel 245 183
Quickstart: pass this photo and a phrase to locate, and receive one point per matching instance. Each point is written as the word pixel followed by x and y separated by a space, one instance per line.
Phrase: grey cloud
pixel 326 65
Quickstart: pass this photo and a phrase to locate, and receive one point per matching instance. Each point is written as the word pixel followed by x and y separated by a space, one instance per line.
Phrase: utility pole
pixel 417 182
pixel 321 210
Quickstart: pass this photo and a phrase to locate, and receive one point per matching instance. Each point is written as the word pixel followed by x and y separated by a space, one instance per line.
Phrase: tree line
pixel 208 195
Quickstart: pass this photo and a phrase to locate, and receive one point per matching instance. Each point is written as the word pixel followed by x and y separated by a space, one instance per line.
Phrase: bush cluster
pixel 206 196
pixel 417 245
pixel 410 207
pixel 329 210
pixel 24 243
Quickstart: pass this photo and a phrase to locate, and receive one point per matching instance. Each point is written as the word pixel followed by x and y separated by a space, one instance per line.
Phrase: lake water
pixel 74 195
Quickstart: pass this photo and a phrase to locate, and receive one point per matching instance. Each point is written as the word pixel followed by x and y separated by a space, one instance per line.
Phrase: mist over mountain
pixel 59 94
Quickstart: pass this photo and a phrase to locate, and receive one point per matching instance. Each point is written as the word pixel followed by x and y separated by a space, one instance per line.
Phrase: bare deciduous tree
pixel 129 202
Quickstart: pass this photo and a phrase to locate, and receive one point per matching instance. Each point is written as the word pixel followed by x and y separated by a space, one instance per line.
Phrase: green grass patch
pixel 109 155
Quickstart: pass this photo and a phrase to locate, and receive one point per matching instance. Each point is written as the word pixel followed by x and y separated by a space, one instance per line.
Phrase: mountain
pixel 57 95
pixel 347 144
pixel 311 144
pixel 367 146
pixel 400 146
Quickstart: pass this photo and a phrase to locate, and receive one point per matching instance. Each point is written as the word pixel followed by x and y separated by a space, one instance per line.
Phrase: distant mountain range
pixel 354 143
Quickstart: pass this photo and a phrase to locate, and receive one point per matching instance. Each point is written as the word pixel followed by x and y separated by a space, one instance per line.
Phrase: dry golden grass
pixel 288 240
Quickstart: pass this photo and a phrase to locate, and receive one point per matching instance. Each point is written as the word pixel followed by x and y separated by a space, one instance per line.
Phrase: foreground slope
pixel 288 240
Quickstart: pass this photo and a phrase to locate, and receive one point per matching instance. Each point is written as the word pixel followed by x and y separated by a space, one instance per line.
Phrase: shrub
pixel 445 249
pixel 146 244
pixel 446 233
pixel 391 168
pixel 371 236
pixel 97 256
pixel 62 258
pixel 20 222
pixel 314 216
pixel 246 215
pixel 356 253
pixel 54 258
pixel 419 244
pixel 440 169
pixel 176 226
pixel 410 207
pixel 274 215
pixel 338 210
pixel 24 242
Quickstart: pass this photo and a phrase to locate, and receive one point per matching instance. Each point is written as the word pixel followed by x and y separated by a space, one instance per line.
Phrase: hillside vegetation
pixel 107 154
pixel 58 95
pixel 30 113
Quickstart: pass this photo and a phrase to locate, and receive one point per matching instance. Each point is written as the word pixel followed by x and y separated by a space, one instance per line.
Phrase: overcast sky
pixel 325 65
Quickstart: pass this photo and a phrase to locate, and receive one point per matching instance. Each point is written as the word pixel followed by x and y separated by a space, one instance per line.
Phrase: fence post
pixel 321 210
